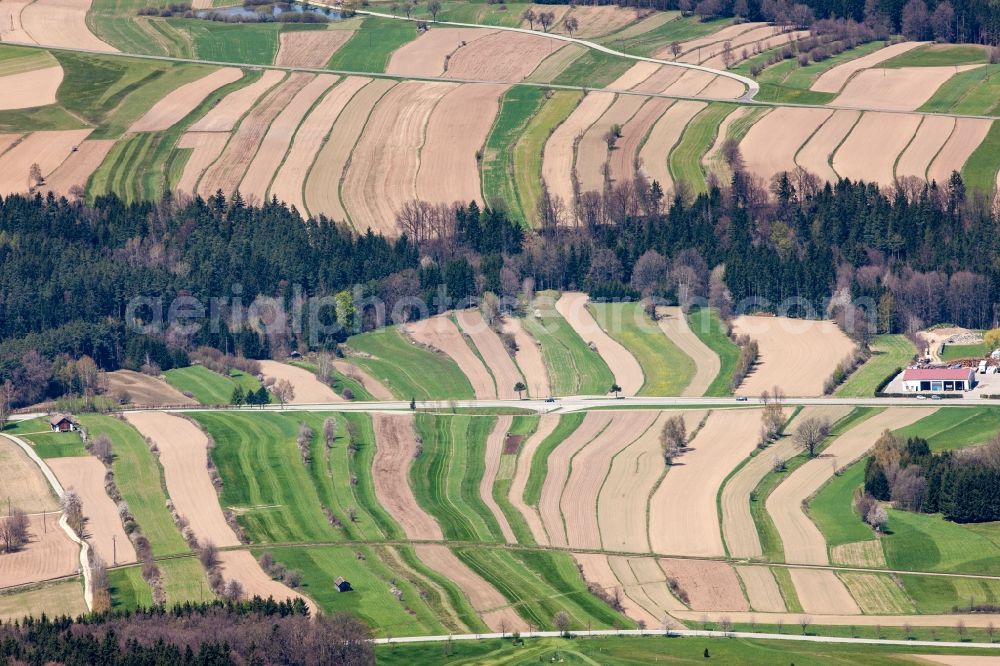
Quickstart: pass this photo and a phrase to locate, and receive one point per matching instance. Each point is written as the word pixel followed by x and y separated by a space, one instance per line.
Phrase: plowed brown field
pixel 395 449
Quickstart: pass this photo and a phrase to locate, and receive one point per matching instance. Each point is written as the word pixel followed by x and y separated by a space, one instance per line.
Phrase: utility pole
pixel 114 549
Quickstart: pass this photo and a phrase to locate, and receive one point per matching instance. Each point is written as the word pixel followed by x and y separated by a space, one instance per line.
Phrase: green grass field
pixel 446 475
pixel 649 42
pixel 705 323
pixel 47 444
pixel 939 55
pixel 832 509
pixel 518 106
pixel 974 92
pixel 244 43
pixel 338 382
pixel 527 160
pixel 922 542
pixel 568 423
pixel 523 426
pixel 594 69
pixel 666 368
pixel 137 474
pixel 208 387
pixel 574 369
pixel 888 353
pixel 787 81
pixel 952 428
pixel 937 594
pixel 955 352
pixel 128 589
pixel 264 478
pixel 697 139
pixel 980 170
pixel 368 50
pixel 184 579
pixel 407 370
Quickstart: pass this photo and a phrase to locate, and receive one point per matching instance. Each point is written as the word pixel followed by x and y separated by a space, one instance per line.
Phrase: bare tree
pixel 35 177
pixel 208 554
pixel 571 24
pixel 283 391
pixel 728 57
pixel 675 49
pixel 434 6
pixel 101 449
pixel 546 19
pixel 530 16
pixel 673 438
pixel 14 530
pixel 330 432
pixel 72 508
pixel 408 9
pixel 561 621
pixel 811 433
pixel 804 622
pixel 233 590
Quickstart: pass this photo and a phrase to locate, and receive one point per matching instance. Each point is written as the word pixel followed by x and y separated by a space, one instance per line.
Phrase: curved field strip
pixel 383 166
pixel 710 585
pixel 712 161
pixel 309 48
pixel 242 566
pixel 815 155
pixel 762 34
pixel 588 471
pixel 183 453
pixel 103 530
pixel 395 449
pixel 49 552
pixel 430 53
pixel 902 89
pixel 289 181
pixel 686 158
pixel 546 426
pixel 322 187
pixel 755 39
pixel 877 593
pixel 276 142
pixel 308 388
pixel 634 76
pixel 529 359
pixel 666 369
pixel 795 354
pixel 559 154
pixel 803 542
pixel 597 571
pixel 738 527
pixel 441 334
pixel 224 115
pixel 205 148
pixel 930 137
pixel 662 138
pixel 623 158
pixel 644 581
pixel 11 29
pixel 145 391
pixel 46 149
pixel 550 68
pixel 761 589
pixel 690 83
pixel 529 149
pixel 488 602
pixel 968 135
pixel 771 144
pixel 632 475
pixel 674 324
pixel 592 153
pixel 869 151
pixel 369 383
pixel 493 352
pixel 660 80
pixel 24 486
pixel 180 102
pixel 597 20
pixel 723 87
pixel 683 515
pixel 61 23
pixel 820 591
pixel 559 470
pixel 517 108
pixel 455 135
pixel 228 170
pixel 25 90
pixel 627 372
pixel 78 167
pixel 494 450
pixel 834 79
pixel 727 33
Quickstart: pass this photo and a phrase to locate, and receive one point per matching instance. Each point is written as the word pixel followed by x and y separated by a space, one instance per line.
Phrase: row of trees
pixel 963 485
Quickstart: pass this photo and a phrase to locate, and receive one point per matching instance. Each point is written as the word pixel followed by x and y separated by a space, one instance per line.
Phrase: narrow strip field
pixel 871 148
pixel 494 450
pixel 547 424
pixel 395 449
pixel 834 79
pixel 814 156
pixel 592 151
pixel 493 352
pixel 772 142
pixel 888 353
pixel 309 48
pixel 761 589
pixel 78 167
pixel 177 104
pixel 664 135
pixel 46 149
pixel 674 324
pixel 622 160
pixel 902 89
pixel 224 116
pixel 308 388
pixel 560 149
pixel 441 335
pixel 28 89
pixel 932 134
pixel 529 359
pixel 627 372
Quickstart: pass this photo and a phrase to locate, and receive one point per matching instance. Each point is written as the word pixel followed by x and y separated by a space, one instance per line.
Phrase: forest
pixel 102 281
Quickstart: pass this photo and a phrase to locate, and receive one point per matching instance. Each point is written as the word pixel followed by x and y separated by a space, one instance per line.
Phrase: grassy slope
pixel 245 43
pixel 573 368
pixel 697 139
pixel 952 428
pixel 888 353
pixel 264 478
pixel 594 69
pixel 710 330
pixel 955 352
pixel 527 160
pixel 360 466
pixel 446 475
pixel 208 387
pixel 518 106
pixel 934 594
pixel 975 92
pixel 137 474
pixel 980 170
pixel 649 42
pixel 568 423
pixel 666 368
pixel 939 55
pixel 833 509
pixel 407 370
pixel 47 444
pixel 368 50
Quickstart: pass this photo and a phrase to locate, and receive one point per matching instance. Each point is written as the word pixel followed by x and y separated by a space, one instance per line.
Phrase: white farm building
pixel 939 379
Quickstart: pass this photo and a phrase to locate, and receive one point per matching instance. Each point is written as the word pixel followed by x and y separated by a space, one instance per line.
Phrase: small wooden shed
pixel 342 585
pixel 62 423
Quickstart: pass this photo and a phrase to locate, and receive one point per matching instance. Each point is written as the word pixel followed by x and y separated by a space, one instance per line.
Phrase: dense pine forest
pixel 72 274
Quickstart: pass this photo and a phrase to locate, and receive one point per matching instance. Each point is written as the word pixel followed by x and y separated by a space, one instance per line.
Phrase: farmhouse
pixel 939 379
pixel 62 423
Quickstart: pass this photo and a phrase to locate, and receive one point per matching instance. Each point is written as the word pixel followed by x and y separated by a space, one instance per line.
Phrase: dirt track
pixel 395 448
pixel 103 529
pixel 308 388
pixel 178 103
pixel 627 371
pixel 49 553
pixel 441 333
pixel 529 359
pixel 796 354
pixel 242 566
pixel 589 468
pixel 546 424
pixel 674 324
pixel 145 391
pixel 683 518
pixel 183 451
pixel 492 349
pixel 803 542
pixel 494 449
